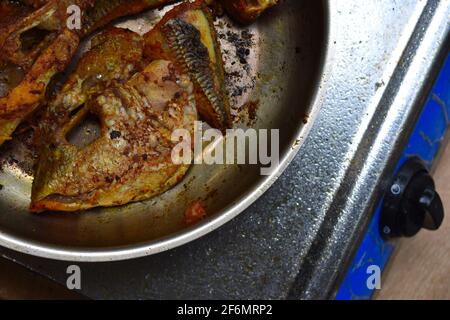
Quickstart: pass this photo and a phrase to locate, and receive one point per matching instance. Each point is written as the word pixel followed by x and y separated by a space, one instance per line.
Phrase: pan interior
pixel 273 68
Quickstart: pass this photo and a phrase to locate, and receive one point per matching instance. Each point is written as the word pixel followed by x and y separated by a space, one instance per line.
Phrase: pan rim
pixel 139 250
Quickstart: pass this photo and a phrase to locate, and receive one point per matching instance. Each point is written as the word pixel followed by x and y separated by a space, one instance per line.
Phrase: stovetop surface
pixel 298 238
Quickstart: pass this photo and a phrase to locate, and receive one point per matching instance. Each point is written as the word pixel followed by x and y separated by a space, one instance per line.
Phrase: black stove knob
pixel 412 203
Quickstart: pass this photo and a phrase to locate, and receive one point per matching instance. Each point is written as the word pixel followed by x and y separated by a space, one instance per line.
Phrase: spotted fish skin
pixel 131 160
pixel 187 35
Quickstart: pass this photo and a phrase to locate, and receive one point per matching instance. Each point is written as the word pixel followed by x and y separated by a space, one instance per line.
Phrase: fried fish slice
pixel 116 55
pixel 39 45
pixel 30 92
pixel 131 160
pixel 22 42
pixel 28 47
pixel 138 108
pixel 186 35
pixel 247 11
pixel 10 13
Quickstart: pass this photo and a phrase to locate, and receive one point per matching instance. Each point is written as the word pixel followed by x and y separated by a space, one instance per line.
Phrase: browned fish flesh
pixel 140 90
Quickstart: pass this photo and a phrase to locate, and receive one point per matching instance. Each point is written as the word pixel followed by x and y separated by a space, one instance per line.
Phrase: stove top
pixel 298 239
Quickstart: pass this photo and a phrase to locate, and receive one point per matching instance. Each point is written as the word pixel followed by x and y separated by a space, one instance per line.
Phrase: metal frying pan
pixel 282 74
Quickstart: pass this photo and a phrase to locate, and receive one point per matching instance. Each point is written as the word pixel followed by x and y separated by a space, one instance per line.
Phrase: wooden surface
pixel 420 268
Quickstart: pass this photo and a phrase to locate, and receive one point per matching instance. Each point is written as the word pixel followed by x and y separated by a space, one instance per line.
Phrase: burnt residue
pixel 242 41
pixel 247 114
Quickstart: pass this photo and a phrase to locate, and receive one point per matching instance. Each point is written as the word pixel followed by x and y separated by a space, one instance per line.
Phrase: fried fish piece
pixel 247 11
pixel 131 159
pixel 25 97
pixel 186 35
pixel 11 12
pixel 41 45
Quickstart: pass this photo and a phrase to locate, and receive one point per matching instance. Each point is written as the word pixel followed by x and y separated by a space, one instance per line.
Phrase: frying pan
pixel 286 65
